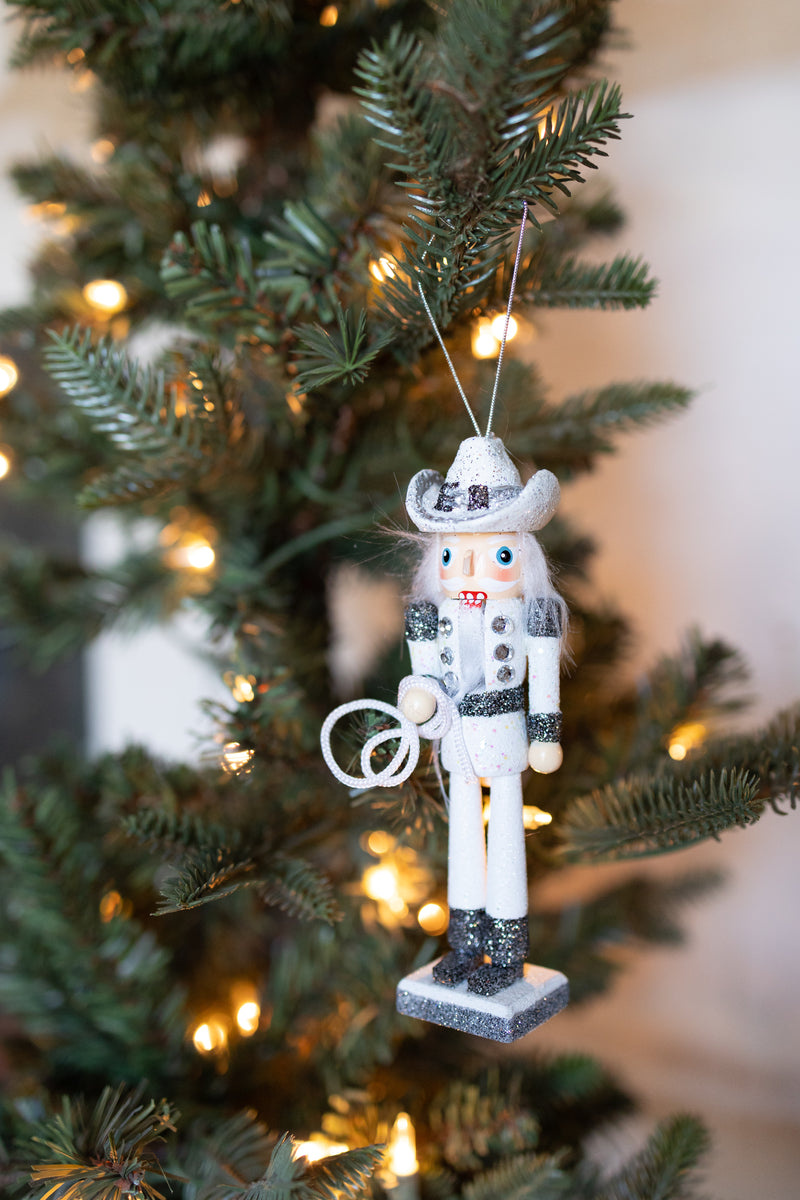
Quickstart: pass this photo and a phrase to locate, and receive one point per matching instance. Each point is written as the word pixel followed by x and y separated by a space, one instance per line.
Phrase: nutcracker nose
pixel 467 567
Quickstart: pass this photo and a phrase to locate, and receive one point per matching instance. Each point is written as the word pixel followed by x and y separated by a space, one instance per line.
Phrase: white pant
pixel 497 881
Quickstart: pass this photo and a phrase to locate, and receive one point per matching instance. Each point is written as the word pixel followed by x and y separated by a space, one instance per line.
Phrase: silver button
pixel 505 674
pixel 450 682
pixel 445 626
pixel 502 625
pixel 503 651
pixel 446 656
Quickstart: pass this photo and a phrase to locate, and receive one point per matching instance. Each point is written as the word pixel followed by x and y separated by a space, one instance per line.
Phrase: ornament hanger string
pixel 449 360
pixel 508 315
pixel 503 340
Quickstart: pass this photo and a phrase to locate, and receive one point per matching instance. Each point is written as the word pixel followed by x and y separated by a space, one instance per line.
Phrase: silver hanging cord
pixel 449 360
pixel 508 315
pixel 440 339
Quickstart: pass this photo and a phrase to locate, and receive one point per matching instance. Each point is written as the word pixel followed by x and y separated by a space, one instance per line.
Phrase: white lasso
pixel 406 756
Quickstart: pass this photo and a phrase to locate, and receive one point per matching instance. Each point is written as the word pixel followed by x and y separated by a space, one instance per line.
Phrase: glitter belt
pixel 492 704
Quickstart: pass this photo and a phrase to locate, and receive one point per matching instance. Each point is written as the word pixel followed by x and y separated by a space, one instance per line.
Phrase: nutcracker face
pixel 488 563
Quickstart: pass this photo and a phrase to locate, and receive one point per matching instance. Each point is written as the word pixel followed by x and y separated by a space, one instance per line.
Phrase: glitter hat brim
pixel 526 512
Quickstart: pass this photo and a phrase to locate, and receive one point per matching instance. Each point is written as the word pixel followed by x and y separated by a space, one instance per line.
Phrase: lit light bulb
pixel 329 15
pixel 106 296
pixel 236 757
pixel 401 1151
pixel 5 463
pixel 685 738
pixel 102 150
pixel 381 883
pixel 247 1017
pixel 317 1147
pixel 242 689
pixel 484 342
pixel 498 325
pixel 379 842
pixel 8 374
pixel 211 1037
pixel 433 918
pixel 200 556
pixel 382 269
pixel 110 906
pixel 203 200
pixel 534 818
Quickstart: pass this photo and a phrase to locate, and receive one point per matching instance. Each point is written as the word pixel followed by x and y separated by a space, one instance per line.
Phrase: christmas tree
pixel 226 335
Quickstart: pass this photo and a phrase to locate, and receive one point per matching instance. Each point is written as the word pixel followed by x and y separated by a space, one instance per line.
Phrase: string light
pixel 203 200
pixel 317 1147
pixel 236 757
pixel 102 150
pixel 382 269
pixel 329 15
pixel 5 463
pixel 295 401
pixel 433 918
pixel 379 842
pixel 247 1017
pixel 8 374
pixel 75 55
pixel 110 906
pixel 402 1147
pixel 211 1037
pixel 685 738
pixel 242 689
pixel 532 817
pixel 382 883
pixel 484 342
pixel 200 556
pixel 498 325
pixel 105 296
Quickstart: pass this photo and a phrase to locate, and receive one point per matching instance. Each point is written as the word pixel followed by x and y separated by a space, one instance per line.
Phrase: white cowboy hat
pixel 482 492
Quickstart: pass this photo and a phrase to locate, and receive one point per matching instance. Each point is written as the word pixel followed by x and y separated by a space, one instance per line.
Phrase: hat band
pixel 477 497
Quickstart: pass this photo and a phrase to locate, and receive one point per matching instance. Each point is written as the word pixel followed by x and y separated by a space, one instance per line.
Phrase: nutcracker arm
pixel 544 657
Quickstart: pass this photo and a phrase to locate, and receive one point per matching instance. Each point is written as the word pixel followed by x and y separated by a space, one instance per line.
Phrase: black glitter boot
pixel 465 933
pixel 507 946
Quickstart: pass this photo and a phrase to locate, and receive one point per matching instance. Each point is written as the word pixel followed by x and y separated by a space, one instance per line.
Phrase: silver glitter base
pixel 504 1017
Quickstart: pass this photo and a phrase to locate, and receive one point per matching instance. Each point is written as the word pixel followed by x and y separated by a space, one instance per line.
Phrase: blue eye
pixel 505 556
pixel 446 556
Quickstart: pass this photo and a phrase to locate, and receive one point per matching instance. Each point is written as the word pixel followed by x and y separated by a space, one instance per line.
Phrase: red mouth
pixel 472 599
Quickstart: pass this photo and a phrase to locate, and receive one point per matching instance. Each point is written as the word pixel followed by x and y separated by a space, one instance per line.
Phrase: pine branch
pixel 205 877
pixel 216 279
pixel 639 816
pixel 180 832
pixel 343 356
pixel 343 1175
pixel 299 890
pixel 52 608
pixel 525 1177
pixel 773 754
pixel 663 1169
pixel 571 433
pixel 284 882
pixel 173 438
pixel 103 973
pixel 288 1178
pixel 623 283
pixel 102 1153
pixel 476 1123
pixel 226 1153
pixel 694 685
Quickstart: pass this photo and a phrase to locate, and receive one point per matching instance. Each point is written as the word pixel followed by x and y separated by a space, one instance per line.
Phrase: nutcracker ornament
pixel 484 629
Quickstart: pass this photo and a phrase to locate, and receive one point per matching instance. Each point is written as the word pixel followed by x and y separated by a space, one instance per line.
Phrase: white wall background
pixel 697 522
